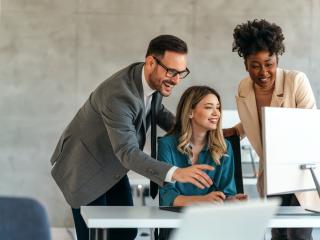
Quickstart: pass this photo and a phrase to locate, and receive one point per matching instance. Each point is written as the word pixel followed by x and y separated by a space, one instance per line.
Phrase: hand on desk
pixel 238 197
pixel 194 174
pixel 215 197
pixel 220 197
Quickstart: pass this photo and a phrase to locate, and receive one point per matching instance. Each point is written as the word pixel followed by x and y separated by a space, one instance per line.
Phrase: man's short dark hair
pixel 162 43
pixel 258 35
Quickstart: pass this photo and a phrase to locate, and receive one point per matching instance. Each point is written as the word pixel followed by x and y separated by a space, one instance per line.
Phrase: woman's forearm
pixel 182 200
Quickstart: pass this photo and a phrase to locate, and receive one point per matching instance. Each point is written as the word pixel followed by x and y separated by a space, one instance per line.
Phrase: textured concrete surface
pixel 54 53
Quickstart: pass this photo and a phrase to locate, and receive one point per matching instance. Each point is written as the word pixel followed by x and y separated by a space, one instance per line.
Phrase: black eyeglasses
pixel 172 72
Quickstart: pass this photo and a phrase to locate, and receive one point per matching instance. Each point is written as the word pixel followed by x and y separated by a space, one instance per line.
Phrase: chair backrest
pixel 244 220
pixel 235 143
pixel 23 218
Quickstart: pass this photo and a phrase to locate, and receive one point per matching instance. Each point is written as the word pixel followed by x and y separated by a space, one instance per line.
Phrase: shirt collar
pixel 204 149
pixel 147 90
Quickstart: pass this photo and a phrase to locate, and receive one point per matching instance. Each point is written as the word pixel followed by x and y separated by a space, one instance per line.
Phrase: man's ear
pixel 150 62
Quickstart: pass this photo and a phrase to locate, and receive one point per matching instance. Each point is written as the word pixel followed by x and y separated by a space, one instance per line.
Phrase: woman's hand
pixel 242 197
pixel 215 197
pixel 237 197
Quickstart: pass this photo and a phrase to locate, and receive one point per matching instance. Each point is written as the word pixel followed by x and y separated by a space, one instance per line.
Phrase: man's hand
pixel 194 174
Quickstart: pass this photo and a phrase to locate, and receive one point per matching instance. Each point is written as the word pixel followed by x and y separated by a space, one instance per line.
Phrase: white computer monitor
pixel 239 220
pixel 291 138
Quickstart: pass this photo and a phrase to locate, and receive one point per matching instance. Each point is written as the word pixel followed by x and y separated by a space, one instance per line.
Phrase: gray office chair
pixel 254 171
pixel 23 219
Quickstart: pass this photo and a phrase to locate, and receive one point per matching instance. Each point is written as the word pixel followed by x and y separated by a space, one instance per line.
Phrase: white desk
pixel 97 217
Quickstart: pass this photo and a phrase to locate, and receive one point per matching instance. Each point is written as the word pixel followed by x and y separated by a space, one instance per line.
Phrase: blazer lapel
pixel 278 93
pixel 248 114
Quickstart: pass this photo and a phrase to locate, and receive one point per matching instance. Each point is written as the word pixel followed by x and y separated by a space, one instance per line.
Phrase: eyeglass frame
pixel 172 70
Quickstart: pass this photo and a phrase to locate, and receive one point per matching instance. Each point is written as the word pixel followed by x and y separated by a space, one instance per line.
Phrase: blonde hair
pixel 183 129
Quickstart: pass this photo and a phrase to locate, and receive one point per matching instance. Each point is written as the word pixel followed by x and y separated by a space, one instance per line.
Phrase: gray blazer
pixel 105 140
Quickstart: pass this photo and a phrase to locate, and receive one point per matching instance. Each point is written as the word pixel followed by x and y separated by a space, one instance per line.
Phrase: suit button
pixel 151 171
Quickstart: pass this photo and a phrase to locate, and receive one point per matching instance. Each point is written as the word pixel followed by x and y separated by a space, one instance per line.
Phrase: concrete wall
pixel 54 53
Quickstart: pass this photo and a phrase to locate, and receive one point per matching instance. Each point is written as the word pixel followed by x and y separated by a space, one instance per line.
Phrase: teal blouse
pixel 222 175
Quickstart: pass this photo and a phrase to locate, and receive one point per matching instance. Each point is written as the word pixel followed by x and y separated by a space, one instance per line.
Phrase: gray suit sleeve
pixel 119 117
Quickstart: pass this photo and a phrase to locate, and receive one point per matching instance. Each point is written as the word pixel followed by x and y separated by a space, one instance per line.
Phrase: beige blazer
pixel 292 90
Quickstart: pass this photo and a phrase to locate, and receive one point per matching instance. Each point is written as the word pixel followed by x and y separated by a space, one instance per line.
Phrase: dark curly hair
pixel 258 35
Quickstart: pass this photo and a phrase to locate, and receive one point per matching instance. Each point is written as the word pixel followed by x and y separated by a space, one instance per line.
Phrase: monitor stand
pixel 311 167
pixel 315 179
pixel 296 211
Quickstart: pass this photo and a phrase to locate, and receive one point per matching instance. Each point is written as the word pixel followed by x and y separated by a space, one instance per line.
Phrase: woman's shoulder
pixel 228 143
pixel 294 75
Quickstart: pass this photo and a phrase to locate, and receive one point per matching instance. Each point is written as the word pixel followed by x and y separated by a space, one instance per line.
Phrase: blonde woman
pixel 197 138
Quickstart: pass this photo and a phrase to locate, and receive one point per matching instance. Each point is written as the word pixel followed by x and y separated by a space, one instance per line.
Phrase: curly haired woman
pixel 260 43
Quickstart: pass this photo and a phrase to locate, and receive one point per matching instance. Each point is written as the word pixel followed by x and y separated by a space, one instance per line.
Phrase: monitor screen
pixel 291 138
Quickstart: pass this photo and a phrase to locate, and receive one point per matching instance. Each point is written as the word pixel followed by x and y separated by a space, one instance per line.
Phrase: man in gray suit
pixel 106 137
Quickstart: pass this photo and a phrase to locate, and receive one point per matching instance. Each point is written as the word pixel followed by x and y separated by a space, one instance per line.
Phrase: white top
pixel 147 93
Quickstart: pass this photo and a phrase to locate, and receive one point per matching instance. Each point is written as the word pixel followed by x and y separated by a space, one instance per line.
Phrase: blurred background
pixel 54 53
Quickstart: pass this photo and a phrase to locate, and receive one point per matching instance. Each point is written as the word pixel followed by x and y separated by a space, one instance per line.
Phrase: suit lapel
pixel 137 78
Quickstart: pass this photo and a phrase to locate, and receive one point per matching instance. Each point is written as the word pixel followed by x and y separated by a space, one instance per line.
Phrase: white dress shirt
pixel 147 93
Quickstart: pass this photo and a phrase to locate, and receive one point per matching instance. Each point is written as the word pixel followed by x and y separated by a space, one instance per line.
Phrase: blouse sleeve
pixel 168 192
pixel 227 180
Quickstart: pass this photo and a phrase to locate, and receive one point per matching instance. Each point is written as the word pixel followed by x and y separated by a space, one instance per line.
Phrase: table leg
pixel 97 234
pixel 92 234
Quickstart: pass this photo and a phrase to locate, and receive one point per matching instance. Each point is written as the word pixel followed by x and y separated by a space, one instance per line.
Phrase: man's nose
pixel 176 79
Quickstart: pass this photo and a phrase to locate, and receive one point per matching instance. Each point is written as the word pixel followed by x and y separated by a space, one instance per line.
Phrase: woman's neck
pixel 198 138
pixel 198 141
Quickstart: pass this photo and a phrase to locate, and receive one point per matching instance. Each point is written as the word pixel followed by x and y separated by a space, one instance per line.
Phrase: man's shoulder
pixel 125 76
pixel 122 82
pixel 122 88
